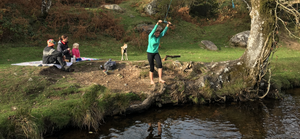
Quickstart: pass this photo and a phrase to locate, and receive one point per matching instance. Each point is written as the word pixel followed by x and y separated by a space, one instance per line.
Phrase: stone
pixel 16 74
pixel 132 16
pixel 177 64
pixel 30 79
pixel 209 45
pixel 14 108
pixel 125 84
pixel 146 28
pixel 114 7
pixel 240 39
pixel 150 8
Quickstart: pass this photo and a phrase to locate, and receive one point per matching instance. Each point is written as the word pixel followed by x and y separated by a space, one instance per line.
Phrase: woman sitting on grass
pixel 51 56
pixel 63 47
pixel 152 51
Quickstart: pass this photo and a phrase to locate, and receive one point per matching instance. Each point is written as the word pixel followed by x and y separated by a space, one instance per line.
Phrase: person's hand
pixel 68 49
pixel 169 23
pixel 159 21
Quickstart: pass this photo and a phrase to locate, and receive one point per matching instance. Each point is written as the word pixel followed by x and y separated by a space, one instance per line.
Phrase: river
pixel 259 119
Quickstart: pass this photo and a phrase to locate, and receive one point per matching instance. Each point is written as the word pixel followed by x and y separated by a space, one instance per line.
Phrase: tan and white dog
pixel 124 51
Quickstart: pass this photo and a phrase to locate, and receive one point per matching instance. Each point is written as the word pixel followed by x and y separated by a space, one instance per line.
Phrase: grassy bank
pixel 41 103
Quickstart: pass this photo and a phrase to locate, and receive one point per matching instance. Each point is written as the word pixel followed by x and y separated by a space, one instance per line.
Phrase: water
pixel 260 119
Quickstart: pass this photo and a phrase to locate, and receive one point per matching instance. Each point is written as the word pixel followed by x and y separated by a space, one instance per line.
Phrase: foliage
pixel 64 17
pixel 89 113
pixel 23 125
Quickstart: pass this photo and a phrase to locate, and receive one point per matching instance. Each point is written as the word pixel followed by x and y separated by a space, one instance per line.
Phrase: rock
pixel 240 39
pixel 209 45
pixel 132 16
pixel 114 7
pixel 125 84
pixel 16 74
pixel 30 79
pixel 159 105
pixel 150 8
pixel 13 108
pixel 177 64
pixel 146 28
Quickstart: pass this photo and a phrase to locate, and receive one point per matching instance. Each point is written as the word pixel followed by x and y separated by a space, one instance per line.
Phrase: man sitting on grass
pixel 52 56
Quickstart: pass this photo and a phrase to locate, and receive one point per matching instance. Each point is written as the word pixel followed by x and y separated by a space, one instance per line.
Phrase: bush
pixel 64 17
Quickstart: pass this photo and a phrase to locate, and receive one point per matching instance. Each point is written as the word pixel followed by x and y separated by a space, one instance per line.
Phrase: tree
pixel 243 79
pixel 46 4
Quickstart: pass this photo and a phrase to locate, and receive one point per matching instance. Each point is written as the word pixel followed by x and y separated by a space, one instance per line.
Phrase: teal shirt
pixel 153 42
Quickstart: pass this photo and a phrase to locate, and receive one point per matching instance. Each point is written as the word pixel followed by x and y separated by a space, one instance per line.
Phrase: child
pixel 75 51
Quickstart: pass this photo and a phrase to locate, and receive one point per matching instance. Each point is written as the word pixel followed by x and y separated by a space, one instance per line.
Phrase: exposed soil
pixel 128 77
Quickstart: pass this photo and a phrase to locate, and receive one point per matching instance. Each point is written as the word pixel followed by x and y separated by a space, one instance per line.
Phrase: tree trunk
pixel 46 4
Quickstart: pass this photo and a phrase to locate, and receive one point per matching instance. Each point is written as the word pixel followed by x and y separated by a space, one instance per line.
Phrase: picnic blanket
pixel 40 63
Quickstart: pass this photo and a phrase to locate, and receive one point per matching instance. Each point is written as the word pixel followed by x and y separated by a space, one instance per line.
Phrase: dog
pixel 124 51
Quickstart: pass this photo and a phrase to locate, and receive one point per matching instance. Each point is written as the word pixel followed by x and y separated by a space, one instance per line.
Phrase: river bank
pixel 259 119
pixel 53 99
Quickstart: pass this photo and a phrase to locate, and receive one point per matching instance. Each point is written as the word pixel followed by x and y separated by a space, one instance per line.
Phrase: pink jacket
pixel 76 52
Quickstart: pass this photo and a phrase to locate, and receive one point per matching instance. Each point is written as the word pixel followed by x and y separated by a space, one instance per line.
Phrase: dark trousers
pixel 56 60
pixel 68 57
pixel 151 57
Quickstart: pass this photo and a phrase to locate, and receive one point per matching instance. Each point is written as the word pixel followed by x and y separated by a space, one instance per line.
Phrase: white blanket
pixel 40 63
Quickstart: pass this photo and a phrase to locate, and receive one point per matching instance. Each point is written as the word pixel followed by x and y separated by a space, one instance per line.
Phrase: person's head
pixel 63 38
pixel 76 45
pixel 51 43
pixel 157 33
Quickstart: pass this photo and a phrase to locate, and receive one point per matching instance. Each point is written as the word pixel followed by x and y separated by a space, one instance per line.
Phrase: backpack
pixel 110 65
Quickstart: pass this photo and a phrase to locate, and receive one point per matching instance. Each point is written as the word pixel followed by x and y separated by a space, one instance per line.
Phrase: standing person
pixel 63 47
pixel 52 56
pixel 152 51
pixel 75 51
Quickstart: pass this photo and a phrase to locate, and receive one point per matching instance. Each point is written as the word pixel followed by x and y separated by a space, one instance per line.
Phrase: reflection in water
pixel 260 119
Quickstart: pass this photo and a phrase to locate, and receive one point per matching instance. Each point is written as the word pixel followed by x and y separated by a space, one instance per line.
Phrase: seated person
pixel 63 47
pixel 51 56
pixel 75 51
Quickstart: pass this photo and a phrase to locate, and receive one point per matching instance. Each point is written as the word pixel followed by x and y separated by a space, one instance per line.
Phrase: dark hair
pixel 158 30
pixel 63 37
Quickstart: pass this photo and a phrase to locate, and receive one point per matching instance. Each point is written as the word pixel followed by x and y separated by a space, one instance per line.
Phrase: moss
pixel 207 91
pixel 231 88
pixel 181 87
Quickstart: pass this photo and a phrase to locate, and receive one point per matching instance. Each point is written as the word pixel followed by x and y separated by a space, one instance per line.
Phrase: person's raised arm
pixel 165 30
pixel 155 27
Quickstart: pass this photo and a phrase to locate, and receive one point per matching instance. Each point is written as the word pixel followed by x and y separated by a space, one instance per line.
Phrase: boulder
pixel 146 28
pixel 150 8
pixel 240 39
pixel 209 45
pixel 112 7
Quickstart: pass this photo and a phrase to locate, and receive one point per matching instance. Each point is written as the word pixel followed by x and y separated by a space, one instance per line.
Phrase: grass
pixel 60 102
